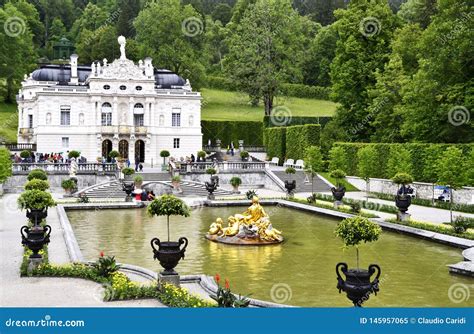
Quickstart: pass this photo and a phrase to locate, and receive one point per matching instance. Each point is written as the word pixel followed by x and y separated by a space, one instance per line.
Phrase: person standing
pixel 137 162
pixel 232 148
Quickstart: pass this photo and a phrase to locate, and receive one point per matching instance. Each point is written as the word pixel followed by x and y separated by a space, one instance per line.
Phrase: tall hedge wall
pixel 275 142
pixel 287 89
pixel 250 132
pixel 419 154
pixel 299 137
pixel 298 120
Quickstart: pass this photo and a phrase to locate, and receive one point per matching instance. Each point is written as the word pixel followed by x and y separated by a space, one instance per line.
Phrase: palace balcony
pixel 141 130
pixel 124 129
pixel 25 132
pixel 108 129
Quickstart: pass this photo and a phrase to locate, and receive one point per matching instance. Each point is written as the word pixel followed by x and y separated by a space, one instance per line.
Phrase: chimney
pixel 148 68
pixel 74 78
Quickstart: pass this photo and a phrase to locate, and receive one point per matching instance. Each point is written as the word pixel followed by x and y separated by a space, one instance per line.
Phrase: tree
pixel 365 30
pixel 17 55
pixel 176 42
pixel 399 161
pixel 129 11
pixel 32 19
pixel 418 11
pixel 92 18
pixel 5 164
pixel 367 166
pixel 239 10
pixel 313 162
pixel 337 158
pixel 451 172
pixel 431 157
pixel 469 170
pixel 265 50
pixel 222 12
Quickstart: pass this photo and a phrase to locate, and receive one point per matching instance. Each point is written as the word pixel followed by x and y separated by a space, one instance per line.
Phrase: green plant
pixel 225 297
pixel 201 154
pixel 83 198
pixel 128 171
pixel 138 179
pixel 355 230
pixel 173 296
pixel 438 228
pixel 37 174
pixel 367 157
pixel 176 179
pixel 402 178
pixel 244 154
pixel 36 184
pixel 250 193
pixel 5 164
pixel 164 154
pixel 105 265
pixel 35 199
pixel 355 207
pixel 74 154
pixel 338 174
pixel 313 162
pixel 300 137
pixel 25 154
pixel 211 171
pixel 337 158
pixel 290 170
pixel 68 184
pixel 235 181
pixel 114 154
pixel 461 224
pixel 275 142
pixel 168 205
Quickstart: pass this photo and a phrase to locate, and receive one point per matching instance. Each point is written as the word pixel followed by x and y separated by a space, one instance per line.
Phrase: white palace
pixel 132 108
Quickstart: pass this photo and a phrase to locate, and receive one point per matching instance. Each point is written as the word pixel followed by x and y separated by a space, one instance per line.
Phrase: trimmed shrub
pixel 424 158
pixel 275 142
pixel 297 120
pixel 37 174
pixel 74 154
pixel 227 131
pixel 299 137
pixel 5 164
pixel 36 184
pixel 305 91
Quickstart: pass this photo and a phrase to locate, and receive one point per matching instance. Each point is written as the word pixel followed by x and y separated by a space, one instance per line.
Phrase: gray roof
pixel 62 73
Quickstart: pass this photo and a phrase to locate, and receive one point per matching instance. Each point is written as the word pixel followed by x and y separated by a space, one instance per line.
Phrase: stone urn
pixel 338 193
pixel 127 187
pixel 36 215
pixel 35 238
pixel 357 285
pixel 211 187
pixel 290 186
pixel 169 253
pixel 403 202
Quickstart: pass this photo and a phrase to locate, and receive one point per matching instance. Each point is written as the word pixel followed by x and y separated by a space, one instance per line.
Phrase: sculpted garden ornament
pixel 403 197
pixel 253 227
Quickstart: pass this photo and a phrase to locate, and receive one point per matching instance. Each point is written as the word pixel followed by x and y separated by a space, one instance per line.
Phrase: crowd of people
pixel 58 157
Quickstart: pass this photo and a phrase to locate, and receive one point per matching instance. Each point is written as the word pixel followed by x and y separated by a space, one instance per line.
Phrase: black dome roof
pixel 62 74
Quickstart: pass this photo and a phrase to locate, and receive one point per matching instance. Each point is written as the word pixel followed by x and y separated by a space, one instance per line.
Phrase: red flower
pixel 217 278
pixel 227 284
pixel 101 254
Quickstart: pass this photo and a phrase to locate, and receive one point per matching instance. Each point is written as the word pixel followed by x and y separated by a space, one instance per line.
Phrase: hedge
pixel 300 137
pixel 275 142
pixel 286 89
pixel 420 153
pixel 250 132
pixel 298 120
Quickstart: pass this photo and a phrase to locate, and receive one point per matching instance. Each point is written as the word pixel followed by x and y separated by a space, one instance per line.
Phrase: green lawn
pixel 232 106
pixel 8 122
pixel 345 183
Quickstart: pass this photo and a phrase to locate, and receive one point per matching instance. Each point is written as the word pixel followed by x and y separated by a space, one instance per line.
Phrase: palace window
pixel 106 87
pixel 30 121
pixel 65 142
pixel 175 142
pixel 176 117
pixel 138 119
pixel 138 88
pixel 65 115
pixel 123 87
pixel 106 118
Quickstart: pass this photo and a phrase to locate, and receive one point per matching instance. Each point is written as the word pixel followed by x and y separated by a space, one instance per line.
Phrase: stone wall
pixel 423 190
pixel 14 184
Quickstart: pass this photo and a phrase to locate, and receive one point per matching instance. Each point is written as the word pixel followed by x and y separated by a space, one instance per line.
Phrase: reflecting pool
pixel 300 271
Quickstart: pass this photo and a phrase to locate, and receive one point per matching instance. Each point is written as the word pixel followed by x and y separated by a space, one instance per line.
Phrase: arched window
pixel 138 108
pixel 106 114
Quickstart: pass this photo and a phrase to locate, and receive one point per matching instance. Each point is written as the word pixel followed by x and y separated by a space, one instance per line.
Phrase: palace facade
pixel 132 108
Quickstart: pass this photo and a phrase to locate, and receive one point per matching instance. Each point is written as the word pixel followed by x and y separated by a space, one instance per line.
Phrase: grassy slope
pixel 8 122
pixel 345 183
pixel 231 106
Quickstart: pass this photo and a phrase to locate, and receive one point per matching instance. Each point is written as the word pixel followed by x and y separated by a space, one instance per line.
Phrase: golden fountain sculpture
pixel 253 227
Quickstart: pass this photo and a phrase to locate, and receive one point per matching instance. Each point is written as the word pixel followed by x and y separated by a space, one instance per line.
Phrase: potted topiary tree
pixel 168 253
pixel 290 185
pixel 175 181
pixel 25 154
pixel 403 197
pixel 37 174
pixel 114 155
pixel 68 185
pixel 236 182
pixel 164 154
pixel 74 154
pixel 36 203
pixel 201 156
pixel 244 155
pixel 353 231
pixel 128 185
pixel 127 171
pixel 5 167
pixel 339 191
pixel 37 184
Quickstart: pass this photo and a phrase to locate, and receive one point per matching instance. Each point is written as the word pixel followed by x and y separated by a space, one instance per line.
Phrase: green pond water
pixel 300 271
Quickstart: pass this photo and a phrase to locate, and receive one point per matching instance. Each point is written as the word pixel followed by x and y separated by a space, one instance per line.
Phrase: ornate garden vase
pixel 35 238
pixel 36 215
pixel 357 285
pixel 338 193
pixel 169 253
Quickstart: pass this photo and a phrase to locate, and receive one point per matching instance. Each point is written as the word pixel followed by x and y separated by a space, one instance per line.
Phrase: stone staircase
pixel 301 185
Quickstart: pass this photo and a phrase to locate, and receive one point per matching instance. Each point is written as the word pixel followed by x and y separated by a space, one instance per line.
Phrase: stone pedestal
pixel 337 204
pixel 211 197
pixel 403 216
pixel 33 263
pixel 170 279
